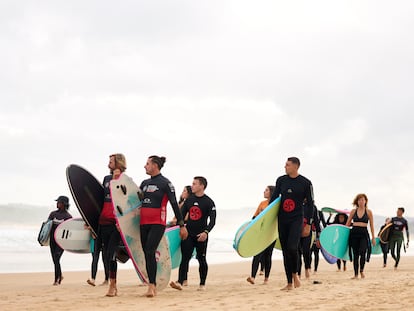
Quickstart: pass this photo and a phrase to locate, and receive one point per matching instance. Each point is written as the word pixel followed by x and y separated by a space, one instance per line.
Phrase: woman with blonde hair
pixel 359 241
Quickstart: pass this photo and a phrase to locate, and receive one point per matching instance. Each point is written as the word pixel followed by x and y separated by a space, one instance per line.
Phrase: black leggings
pixel 187 248
pixel 289 235
pixel 315 251
pixel 110 242
pixel 95 258
pixel 151 236
pixel 265 257
pixel 305 250
pixel 57 253
pixel 358 241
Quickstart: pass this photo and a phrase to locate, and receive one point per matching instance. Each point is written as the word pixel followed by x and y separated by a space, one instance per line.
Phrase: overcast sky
pixel 224 89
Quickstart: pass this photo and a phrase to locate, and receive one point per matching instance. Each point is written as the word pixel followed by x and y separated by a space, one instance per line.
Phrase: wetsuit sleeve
pixel 212 217
pixel 316 221
pixel 406 231
pixel 174 204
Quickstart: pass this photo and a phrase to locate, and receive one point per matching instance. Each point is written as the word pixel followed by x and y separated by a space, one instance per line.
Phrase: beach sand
pixel 227 289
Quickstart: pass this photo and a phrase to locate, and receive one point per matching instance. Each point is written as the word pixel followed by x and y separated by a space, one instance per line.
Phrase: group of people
pixel 298 216
pixel 195 213
pixel 157 191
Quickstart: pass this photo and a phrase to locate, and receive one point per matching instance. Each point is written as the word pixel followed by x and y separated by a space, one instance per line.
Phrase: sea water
pixel 21 252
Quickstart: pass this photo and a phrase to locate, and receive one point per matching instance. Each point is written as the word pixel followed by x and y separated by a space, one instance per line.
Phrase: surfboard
pixel 252 238
pixel 384 234
pixel 44 233
pixel 72 236
pixel 329 258
pixel 87 193
pixel 335 239
pixel 125 198
pixel 332 210
pixel 174 243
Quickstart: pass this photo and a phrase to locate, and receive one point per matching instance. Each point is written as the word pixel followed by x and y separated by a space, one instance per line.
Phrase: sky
pixel 223 89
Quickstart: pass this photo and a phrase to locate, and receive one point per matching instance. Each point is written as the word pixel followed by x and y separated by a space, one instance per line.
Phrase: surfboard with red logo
pixel 127 206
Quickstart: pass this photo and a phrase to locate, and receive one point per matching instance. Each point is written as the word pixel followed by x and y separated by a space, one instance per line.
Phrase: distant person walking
pixel 58 216
pixel 399 223
pixel 359 240
pixel 294 189
pixel 385 246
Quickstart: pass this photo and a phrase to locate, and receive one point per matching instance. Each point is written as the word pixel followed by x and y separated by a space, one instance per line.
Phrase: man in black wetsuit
pixel 294 189
pixel 399 223
pixel 201 219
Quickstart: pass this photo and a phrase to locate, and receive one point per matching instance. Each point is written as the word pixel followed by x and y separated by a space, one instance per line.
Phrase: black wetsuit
pixel 293 193
pixel 397 238
pixel 384 248
pixel 360 245
pixel 108 232
pixel 57 217
pixel 201 218
pixel 315 248
pixel 157 191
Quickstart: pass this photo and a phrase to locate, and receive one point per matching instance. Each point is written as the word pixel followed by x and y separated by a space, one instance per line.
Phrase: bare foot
pixel 201 288
pixel 355 277
pixel 362 275
pixel 151 291
pixel 266 281
pixel 261 273
pixel 296 281
pixel 287 287
pixel 344 268
pixel 185 283
pixel 91 282
pixel 176 285
pixel 250 280
pixel 307 274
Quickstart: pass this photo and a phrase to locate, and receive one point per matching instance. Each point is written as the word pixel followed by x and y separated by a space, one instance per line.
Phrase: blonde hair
pixel 120 161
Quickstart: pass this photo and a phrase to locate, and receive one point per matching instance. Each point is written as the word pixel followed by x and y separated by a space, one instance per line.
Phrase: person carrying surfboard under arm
pixel 264 257
pixel 157 191
pixel 108 230
pixel 384 246
pixel 399 223
pixel 293 189
pixel 58 216
pixel 360 246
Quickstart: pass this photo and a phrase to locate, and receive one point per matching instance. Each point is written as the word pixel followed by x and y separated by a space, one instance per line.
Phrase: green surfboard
pixel 254 236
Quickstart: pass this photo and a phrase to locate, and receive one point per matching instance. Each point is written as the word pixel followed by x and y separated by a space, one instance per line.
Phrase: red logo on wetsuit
pixel 288 205
pixel 195 213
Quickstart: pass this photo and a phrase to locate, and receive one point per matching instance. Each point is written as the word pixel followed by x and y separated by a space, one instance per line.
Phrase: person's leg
pixel 113 244
pixel 306 249
pixel 397 256
pixel 150 241
pixel 201 248
pixel 255 266
pixel 268 261
pixel 187 248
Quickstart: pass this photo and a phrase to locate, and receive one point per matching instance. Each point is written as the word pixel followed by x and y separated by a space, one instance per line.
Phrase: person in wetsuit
pixel 108 230
pixel 294 189
pixel 316 245
pixel 201 220
pixel 399 223
pixel 306 240
pixel 359 242
pixel 58 216
pixel 384 246
pixel 157 191
pixel 264 257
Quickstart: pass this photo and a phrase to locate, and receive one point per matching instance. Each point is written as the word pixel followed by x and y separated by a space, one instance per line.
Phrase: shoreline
pixel 227 289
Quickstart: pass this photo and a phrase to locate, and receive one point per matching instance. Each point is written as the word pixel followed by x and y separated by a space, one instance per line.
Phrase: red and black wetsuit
pixel 201 218
pixel 157 191
pixel 293 193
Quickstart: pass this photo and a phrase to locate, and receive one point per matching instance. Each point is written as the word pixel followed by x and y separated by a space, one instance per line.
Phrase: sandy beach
pixel 227 289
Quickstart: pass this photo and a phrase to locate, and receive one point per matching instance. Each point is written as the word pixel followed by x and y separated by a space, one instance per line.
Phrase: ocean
pixel 20 251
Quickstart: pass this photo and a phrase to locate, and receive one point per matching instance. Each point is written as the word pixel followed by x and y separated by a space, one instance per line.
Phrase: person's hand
pixel 318 244
pixel 201 237
pixel 116 173
pixel 183 233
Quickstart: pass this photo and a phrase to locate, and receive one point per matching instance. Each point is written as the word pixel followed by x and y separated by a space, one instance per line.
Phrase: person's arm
pixel 371 225
pixel 406 231
pixel 351 215
pixel 276 192
pixel 177 211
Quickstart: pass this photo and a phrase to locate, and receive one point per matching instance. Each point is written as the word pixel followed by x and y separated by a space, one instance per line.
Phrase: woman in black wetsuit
pixel 359 242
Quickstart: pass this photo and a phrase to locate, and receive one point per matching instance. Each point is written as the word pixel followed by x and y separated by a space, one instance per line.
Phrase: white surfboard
pixel 72 236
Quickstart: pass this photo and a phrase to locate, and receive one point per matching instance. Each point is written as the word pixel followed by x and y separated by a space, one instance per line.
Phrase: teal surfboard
pixel 174 242
pixel 332 210
pixel 254 236
pixel 44 233
pixel 334 240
